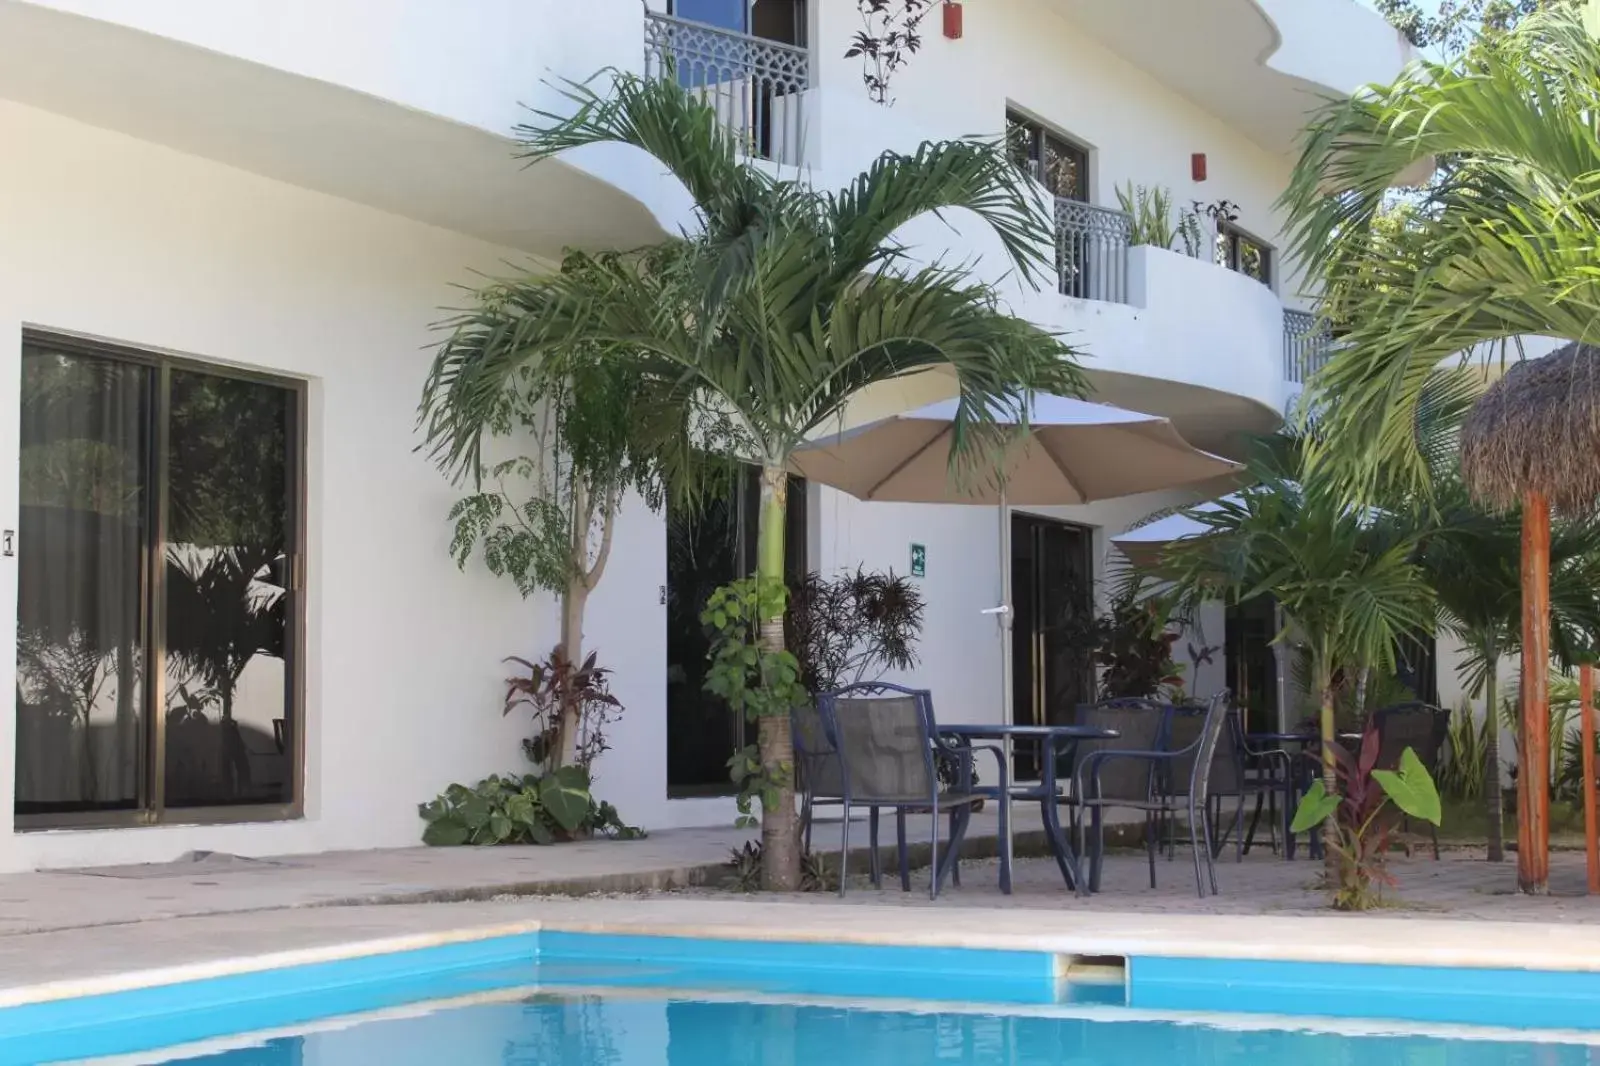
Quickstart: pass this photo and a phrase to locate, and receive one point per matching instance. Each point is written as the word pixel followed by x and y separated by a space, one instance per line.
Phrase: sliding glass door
pixel 158 607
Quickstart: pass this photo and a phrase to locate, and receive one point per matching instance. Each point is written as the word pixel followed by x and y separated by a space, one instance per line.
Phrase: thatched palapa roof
pixel 1538 428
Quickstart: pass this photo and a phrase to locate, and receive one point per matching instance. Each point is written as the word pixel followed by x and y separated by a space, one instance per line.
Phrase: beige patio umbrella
pixel 1068 452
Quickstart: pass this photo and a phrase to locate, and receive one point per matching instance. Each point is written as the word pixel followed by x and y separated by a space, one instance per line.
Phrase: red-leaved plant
pixel 1364 825
pixel 563 695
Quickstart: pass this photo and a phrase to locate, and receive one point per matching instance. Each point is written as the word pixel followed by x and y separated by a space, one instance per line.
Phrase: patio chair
pixel 1268 778
pixel 1157 765
pixel 1228 778
pixel 887 750
pixel 1423 728
pixel 1141 726
pixel 819 778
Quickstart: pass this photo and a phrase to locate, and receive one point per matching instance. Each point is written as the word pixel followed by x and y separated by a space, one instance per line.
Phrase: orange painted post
pixel 1533 772
pixel 1591 820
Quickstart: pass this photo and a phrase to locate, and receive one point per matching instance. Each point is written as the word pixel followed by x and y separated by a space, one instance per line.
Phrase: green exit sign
pixel 919 561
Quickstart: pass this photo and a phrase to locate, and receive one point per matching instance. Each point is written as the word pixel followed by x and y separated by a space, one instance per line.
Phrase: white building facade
pixel 226 232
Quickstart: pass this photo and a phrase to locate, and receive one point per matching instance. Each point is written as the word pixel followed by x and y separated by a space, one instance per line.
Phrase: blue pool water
pixel 622 1030
pixel 566 999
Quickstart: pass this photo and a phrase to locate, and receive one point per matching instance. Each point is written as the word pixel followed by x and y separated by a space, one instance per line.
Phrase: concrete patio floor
pixel 75 925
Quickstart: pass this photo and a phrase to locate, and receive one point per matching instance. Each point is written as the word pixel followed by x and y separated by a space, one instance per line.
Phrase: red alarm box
pixel 952 20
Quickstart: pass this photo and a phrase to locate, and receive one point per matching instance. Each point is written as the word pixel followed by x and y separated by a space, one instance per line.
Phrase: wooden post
pixel 1591 822
pixel 1533 771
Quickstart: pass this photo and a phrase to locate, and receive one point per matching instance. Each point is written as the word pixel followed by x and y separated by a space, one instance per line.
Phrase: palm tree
pixel 1346 578
pixel 1499 243
pixel 765 320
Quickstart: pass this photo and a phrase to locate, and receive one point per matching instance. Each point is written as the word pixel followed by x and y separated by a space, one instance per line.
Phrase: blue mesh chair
pixel 887 752
pixel 1141 725
pixel 1155 768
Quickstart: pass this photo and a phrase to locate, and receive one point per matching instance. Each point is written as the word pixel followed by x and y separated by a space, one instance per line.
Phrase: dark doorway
pixel 1252 662
pixel 1417 666
pixel 705 551
pixel 1052 591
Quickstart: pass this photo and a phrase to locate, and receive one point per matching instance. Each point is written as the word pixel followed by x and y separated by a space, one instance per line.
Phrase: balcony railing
pixel 757 87
pixel 1092 250
pixel 1306 345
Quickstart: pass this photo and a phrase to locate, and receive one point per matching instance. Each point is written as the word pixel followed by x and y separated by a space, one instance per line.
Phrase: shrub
pixel 1364 828
pixel 530 809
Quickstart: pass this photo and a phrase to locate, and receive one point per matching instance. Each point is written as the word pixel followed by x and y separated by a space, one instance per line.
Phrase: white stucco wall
pixel 479 63
pixel 120 240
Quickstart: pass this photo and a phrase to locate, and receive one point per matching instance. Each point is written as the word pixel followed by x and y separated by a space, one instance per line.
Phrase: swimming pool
pixel 557 998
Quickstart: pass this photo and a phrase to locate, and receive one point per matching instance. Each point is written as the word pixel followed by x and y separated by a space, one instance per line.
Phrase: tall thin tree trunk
pixel 573 602
pixel 1330 775
pixel 780 852
pixel 1533 777
pixel 1494 801
pixel 582 577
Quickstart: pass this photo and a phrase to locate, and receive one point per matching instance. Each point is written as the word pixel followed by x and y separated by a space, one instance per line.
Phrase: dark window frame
pixel 1039 135
pixel 151 808
pixel 1231 244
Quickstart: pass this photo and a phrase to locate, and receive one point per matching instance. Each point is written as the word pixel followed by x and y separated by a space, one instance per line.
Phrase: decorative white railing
pixel 1306 345
pixel 756 86
pixel 1092 250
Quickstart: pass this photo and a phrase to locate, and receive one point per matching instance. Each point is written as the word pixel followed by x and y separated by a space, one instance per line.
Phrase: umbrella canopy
pixel 1538 429
pixel 1074 452
pixel 1144 544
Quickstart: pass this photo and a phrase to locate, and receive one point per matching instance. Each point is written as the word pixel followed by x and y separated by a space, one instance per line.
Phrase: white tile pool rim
pixel 1534 946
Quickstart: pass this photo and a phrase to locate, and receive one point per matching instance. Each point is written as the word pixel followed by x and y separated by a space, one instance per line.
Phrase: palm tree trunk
pixel 1533 778
pixel 780 852
pixel 1494 802
pixel 1323 673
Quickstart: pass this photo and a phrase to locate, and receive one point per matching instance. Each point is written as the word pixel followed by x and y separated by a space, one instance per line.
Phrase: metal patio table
pixel 1055 742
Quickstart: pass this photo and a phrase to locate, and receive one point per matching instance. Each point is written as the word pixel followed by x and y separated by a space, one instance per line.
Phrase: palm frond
pixel 1501 243
pixel 973 174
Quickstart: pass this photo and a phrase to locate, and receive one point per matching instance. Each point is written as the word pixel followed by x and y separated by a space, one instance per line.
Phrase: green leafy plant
pixel 755 680
pixel 530 809
pixel 1464 762
pixel 554 683
pixel 545 520
pixel 745 863
pixel 1134 651
pixel 1151 212
pixel 852 627
pixel 1346 578
pixel 1365 826
pixel 1192 233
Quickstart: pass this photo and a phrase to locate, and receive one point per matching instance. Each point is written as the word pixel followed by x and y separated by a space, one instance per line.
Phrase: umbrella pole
pixel 1591 825
pixel 1007 708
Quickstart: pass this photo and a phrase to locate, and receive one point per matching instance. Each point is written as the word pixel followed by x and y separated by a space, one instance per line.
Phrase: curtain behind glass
pixel 80 648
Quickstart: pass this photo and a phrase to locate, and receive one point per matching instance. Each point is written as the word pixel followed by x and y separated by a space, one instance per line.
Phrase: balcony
pixel 756 86
pixel 1307 343
pixel 1096 259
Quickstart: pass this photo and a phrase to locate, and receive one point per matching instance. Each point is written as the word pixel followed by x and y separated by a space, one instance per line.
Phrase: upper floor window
pixel 724 14
pixel 771 20
pixel 1237 250
pixel 1055 162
